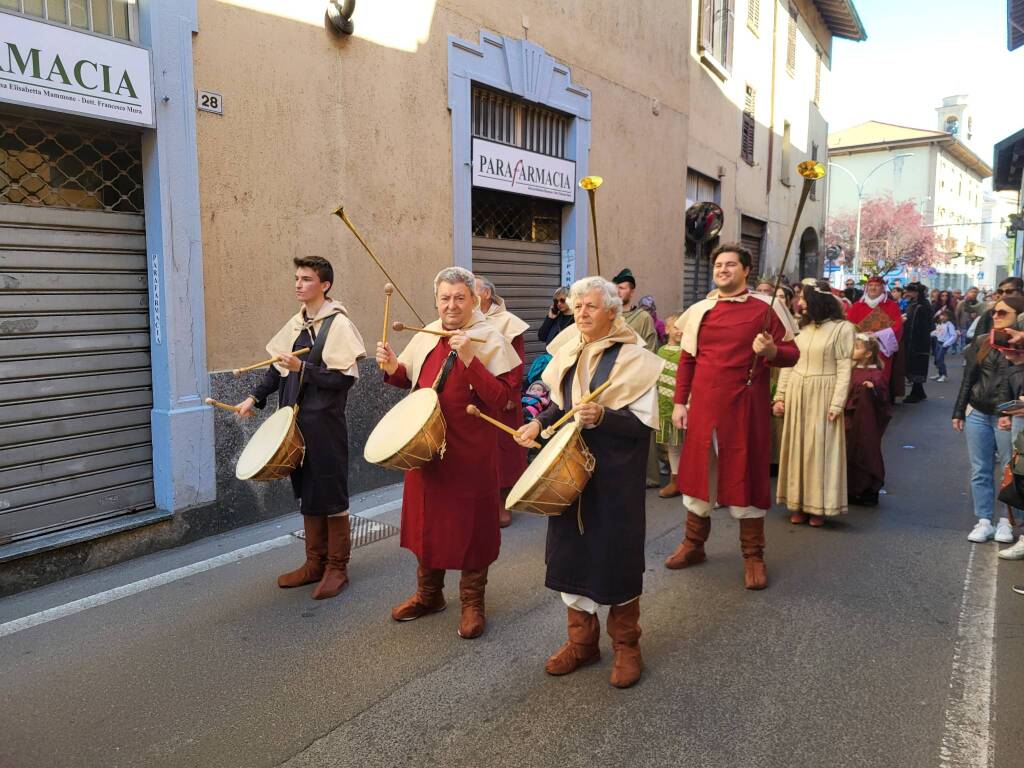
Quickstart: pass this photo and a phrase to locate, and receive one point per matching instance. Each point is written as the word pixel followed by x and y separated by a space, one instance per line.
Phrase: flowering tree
pixel 891 235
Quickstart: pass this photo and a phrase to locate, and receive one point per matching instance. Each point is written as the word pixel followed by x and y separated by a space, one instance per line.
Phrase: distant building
pixel 1009 153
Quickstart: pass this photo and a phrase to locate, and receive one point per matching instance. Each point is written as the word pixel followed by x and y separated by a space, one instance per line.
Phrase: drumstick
pixel 472 410
pixel 547 433
pixel 265 363
pixel 447 334
pixel 388 288
pixel 218 404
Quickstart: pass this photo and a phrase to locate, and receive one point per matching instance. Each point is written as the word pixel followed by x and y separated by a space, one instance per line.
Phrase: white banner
pixel 53 67
pixel 510 169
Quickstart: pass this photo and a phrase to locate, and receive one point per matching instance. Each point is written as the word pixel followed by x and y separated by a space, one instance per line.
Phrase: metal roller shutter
pixel 75 378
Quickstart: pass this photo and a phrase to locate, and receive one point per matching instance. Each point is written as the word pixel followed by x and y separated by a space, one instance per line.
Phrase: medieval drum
pixel 410 435
pixel 556 477
pixel 275 450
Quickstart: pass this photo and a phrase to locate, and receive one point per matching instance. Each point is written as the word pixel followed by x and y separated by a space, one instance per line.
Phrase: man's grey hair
pixel 455 275
pixel 609 293
pixel 485 283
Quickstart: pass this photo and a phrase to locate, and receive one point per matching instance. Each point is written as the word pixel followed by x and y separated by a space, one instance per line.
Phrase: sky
pixel 916 53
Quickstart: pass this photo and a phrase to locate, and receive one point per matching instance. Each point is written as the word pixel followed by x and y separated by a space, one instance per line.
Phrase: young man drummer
pixel 450 506
pixel 595 549
pixel 319 382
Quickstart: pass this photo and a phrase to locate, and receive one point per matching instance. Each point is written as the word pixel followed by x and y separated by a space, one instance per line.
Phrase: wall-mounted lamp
pixel 339 14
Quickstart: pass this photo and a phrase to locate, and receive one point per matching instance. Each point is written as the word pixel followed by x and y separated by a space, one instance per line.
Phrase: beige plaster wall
pixel 312 120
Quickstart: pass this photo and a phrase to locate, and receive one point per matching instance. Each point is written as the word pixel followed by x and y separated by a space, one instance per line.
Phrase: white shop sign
pixel 53 67
pixel 510 169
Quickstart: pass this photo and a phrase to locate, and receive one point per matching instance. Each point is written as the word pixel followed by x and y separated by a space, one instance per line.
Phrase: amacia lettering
pixel 88 75
pixel 522 172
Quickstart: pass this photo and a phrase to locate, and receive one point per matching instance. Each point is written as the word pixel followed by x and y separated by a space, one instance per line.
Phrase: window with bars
pixel 791 42
pixel 501 216
pixel 114 18
pixel 749 127
pixel 716 30
pixel 754 15
pixel 62 166
pixel 499 117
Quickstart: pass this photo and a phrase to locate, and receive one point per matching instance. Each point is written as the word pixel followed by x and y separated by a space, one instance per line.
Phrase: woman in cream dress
pixel 811 396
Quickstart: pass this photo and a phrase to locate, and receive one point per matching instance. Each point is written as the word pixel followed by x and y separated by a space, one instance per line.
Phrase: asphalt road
pixel 881 641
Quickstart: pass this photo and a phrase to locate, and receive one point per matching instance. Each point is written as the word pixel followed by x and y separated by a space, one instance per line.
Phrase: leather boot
pixel 691 550
pixel 671 490
pixel 316 555
pixel 471 595
pixel 339 547
pixel 504 516
pixel 752 544
pixel 582 647
pixel 429 597
pixel 624 629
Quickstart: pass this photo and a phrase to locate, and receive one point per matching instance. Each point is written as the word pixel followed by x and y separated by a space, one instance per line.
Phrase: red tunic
pixel 450 506
pixel 715 383
pixel 512 458
pixel 861 310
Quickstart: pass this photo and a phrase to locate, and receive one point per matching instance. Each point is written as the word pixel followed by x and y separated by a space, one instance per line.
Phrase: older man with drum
pixel 595 549
pixel 450 505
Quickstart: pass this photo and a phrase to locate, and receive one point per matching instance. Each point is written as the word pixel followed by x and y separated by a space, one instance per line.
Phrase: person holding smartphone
pixel 559 316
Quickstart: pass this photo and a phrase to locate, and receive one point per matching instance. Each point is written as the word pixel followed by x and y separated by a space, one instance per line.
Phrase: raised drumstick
pixel 218 404
pixel 472 410
pixel 547 433
pixel 264 363
pixel 403 327
pixel 388 289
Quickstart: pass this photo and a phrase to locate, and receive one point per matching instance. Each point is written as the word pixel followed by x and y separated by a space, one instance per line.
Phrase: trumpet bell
pixel 811 169
pixel 591 182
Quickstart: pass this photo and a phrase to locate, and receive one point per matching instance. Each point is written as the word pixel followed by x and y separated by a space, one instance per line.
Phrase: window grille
pixel 716 30
pixel 749 128
pixel 104 17
pixel 62 166
pixel 501 118
pixel 516 217
pixel 791 42
pixel 754 15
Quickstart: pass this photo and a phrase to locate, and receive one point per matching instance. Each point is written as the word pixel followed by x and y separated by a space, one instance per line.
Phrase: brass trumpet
pixel 591 183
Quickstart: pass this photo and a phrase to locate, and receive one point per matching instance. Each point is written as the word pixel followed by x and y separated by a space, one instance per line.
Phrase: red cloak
pixel 721 403
pixel 450 506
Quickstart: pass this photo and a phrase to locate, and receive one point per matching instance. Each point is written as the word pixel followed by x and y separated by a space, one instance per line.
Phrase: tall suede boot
pixel 471 594
pixel 752 544
pixel 429 597
pixel 624 629
pixel 316 555
pixel 339 547
pixel 582 647
pixel 691 550
pixel 671 490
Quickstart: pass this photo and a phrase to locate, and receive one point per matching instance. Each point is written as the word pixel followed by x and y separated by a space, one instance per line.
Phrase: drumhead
pixel 541 463
pixel 399 425
pixel 264 443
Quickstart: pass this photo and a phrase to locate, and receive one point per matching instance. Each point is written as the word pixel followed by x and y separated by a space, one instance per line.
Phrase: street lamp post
pixel 860 201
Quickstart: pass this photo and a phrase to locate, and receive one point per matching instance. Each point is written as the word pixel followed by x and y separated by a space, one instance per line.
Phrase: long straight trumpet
pixel 472 410
pixel 340 213
pixel 264 363
pixel 591 183
pixel 811 171
pixel 547 433
pixel 447 334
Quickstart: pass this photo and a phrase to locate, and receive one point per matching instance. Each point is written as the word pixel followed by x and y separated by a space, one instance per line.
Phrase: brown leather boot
pixel 582 647
pixel 624 629
pixel 504 516
pixel 339 547
pixel 752 544
pixel 691 550
pixel 429 597
pixel 471 594
pixel 671 490
pixel 316 555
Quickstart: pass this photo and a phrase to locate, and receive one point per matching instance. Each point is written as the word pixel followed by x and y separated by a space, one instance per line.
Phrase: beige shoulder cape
pixel 689 321
pixel 344 345
pixel 492 349
pixel 507 324
pixel 635 371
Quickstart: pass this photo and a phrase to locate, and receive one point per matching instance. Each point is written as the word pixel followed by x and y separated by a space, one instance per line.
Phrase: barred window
pixel 749 128
pixel 516 217
pixel 502 118
pixel 114 18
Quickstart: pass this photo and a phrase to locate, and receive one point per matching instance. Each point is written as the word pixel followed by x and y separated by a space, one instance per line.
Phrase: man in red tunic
pixel 511 457
pixel 725 412
pixel 450 506
pixel 879 315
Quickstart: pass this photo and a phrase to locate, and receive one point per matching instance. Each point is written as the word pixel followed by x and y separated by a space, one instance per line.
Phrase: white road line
pixel 966 733
pixel 102 598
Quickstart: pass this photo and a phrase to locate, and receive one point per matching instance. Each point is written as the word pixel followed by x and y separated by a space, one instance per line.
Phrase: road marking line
pixel 127 590
pixel 967 723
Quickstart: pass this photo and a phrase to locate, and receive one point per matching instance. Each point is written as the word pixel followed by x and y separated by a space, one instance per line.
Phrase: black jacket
pixel 552 326
pixel 985 385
